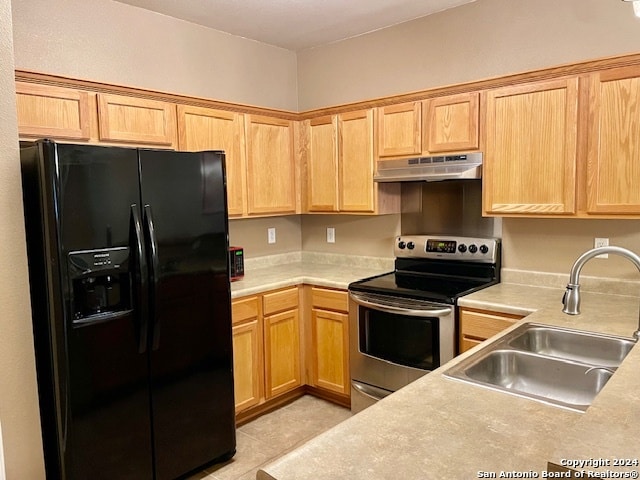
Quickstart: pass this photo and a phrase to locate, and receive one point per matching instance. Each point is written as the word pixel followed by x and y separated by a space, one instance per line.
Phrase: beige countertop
pixel 440 428
pixel 325 270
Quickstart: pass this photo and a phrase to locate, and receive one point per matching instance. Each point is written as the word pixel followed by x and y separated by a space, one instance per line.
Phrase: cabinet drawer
pixel 330 299
pixel 484 325
pixel 468 344
pixel 279 301
pixel 244 309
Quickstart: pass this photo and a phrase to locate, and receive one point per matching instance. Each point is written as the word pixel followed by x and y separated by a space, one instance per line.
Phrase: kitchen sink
pixel 603 350
pixel 558 366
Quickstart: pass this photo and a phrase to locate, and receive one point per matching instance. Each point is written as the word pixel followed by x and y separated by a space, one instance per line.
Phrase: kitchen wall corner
pixel 22 442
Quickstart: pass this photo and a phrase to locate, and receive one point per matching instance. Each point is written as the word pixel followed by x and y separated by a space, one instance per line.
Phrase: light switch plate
pixel 271 235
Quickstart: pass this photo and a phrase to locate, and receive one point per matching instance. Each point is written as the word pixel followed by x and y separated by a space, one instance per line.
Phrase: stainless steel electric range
pixel 403 324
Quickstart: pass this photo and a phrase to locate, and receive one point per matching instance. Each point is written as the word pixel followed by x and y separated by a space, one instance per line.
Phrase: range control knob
pixel 484 249
pixel 411 245
pixel 462 248
pixel 401 245
pixel 473 248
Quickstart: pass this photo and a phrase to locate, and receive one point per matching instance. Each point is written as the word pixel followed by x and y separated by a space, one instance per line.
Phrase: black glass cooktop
pixel 424 287
pixel 431 280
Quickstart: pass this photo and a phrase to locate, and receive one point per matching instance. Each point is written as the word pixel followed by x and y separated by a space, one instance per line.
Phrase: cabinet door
pixel 322 164
pixel 399 130
pixel 477 326
pixel 282 352
pixel 208 129
pixel 247 364
pixel 356 161
pixel 613 168
pixel 52 112
pixel 136 120
pixel 452 123
pixel 330 343
pixel 271 185
pixel 530 161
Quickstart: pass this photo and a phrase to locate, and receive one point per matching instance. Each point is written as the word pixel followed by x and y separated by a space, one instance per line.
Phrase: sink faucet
pixel 571 298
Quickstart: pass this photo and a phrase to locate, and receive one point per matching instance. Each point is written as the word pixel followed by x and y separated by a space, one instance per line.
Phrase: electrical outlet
pixel 601 242
pixel 271 235
pixel 331 235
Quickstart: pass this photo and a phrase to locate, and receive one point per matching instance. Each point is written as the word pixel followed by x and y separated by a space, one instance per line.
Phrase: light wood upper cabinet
pixel 52 112
pixel 400 129
pixel 452 123
pixel 613 167
pixel 271 172
pixel 136 120
pixel 208 129
pixel 356 161
pixel 322 164
pixel 338 157
pixel 530 153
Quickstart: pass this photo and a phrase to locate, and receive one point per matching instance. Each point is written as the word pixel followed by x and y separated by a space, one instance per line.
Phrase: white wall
pixel 111 42
pixel 479 40
pixel 18 395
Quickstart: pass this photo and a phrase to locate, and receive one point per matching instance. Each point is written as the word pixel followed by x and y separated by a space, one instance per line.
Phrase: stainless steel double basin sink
pixel 558 366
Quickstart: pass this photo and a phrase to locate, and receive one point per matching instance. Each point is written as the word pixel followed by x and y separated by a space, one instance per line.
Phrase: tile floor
pixel 272 435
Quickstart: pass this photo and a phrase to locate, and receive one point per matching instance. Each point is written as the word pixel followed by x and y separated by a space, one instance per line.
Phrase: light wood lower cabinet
pixel 266 347
pixel 282 352
pixel 329 356
pixel 478 325
pixel 248 371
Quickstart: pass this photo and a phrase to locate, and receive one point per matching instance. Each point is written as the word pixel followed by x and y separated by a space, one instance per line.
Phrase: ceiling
pixel 296 24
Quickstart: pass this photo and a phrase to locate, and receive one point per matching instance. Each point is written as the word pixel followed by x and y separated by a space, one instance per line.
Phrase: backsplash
pixel 588 283
pixel 346 261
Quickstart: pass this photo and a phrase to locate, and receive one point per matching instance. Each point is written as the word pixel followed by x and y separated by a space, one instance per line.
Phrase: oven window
pixel 401 339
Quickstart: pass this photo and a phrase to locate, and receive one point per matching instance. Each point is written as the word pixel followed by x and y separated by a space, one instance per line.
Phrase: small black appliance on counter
pixel 236 263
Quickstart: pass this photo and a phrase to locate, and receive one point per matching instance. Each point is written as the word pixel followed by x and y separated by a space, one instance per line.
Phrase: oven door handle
pixel 401 310
pixel 369 391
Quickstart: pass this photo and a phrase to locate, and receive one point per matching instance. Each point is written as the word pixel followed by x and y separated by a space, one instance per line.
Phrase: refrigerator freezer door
pixel 191 359
pixel 93 382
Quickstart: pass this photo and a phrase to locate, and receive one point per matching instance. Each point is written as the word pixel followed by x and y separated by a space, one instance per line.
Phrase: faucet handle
pixel 571 299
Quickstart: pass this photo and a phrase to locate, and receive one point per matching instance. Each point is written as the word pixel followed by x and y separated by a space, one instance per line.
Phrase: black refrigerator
pixel 130 294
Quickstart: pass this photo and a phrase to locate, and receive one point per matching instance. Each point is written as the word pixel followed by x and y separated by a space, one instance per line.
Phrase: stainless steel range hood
pixel 430 169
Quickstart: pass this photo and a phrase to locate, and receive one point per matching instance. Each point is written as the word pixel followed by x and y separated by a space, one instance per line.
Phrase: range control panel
pixel 478 249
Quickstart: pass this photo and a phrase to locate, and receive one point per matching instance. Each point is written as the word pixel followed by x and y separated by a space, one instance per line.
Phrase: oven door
pixel 394 341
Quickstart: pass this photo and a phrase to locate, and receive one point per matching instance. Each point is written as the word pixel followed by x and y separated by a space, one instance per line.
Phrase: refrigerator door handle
pixel 153 275
pixel 140 279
